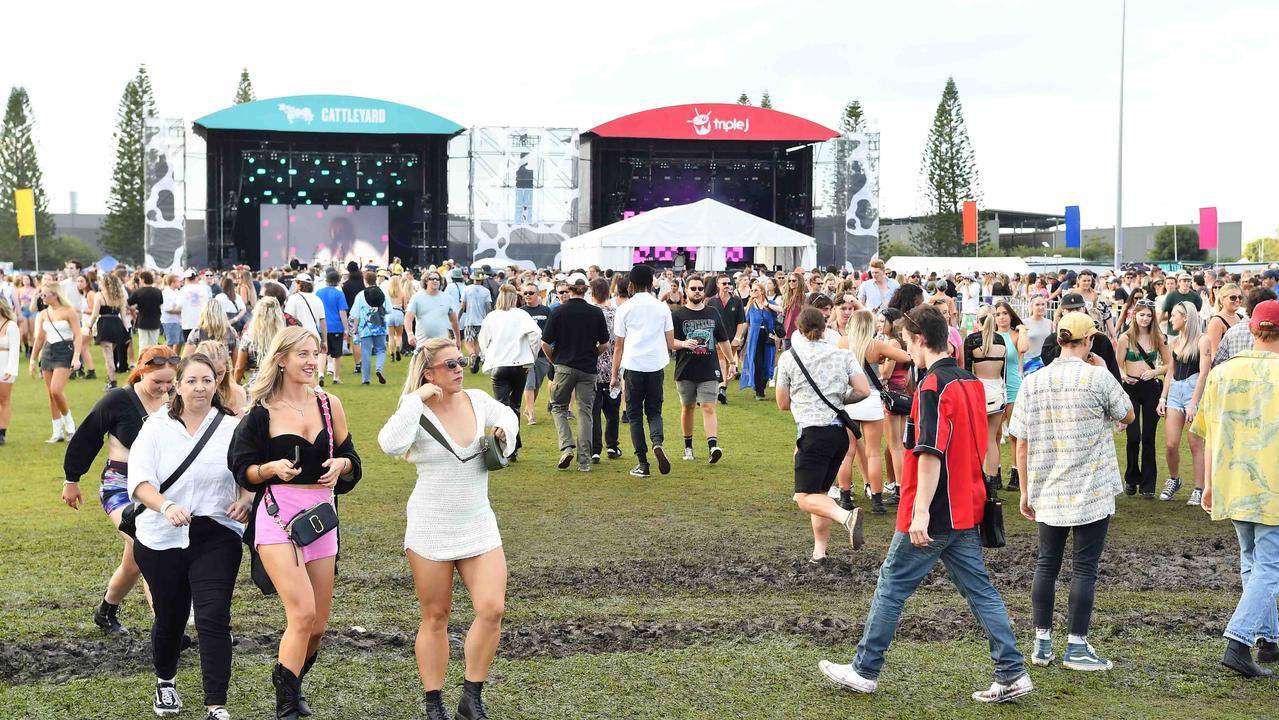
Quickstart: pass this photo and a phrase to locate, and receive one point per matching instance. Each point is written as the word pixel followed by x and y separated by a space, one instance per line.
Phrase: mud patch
pixel 61 660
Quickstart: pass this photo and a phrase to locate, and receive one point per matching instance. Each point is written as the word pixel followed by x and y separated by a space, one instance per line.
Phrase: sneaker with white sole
pixel 1171 486
pixel 846 677
pixel 1196 497
pixel 716 454
pixel 688 454
pixel 1000 692
pixel 1043 654
pixel 167 701
pixel 1081 656
pixel 566 457
pixel 854 526
pixel 219 713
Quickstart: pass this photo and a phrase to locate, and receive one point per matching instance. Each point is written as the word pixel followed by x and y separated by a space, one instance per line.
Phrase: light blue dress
pixel 1012 373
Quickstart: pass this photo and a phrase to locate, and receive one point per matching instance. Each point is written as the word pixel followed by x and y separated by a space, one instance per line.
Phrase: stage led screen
pixel 314 234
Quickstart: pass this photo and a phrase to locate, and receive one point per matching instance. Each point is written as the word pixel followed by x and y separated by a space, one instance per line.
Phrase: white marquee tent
pixel 907 264
pixel 711 227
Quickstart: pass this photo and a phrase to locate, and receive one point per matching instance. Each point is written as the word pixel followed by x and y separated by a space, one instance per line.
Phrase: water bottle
pixel 615 392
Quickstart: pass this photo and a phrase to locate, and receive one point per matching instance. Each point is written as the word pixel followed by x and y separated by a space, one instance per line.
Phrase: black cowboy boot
pixel 1238 657
pixel 1014 480
pixel 304 708
pixel 471 706
pixel 433 703
pixel 1267 652
pixel 287 689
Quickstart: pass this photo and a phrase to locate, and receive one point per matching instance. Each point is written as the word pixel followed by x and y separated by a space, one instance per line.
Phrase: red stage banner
pixel 1208 228
pixel 970 222
pixel 715 121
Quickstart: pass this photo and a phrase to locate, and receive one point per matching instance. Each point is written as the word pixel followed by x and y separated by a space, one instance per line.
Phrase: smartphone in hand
pixel 297 456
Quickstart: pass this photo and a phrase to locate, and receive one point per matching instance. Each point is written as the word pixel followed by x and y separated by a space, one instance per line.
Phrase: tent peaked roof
pixel 705 223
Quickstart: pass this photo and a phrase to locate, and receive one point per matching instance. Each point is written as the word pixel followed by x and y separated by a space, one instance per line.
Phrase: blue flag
pixel 1073 236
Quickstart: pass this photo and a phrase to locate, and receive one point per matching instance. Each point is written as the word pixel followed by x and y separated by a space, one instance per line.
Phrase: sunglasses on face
pixel 529 293
pixel 454 364
pixel 561 292
pixel 433 279
pixel 1236 298
pixel 162 361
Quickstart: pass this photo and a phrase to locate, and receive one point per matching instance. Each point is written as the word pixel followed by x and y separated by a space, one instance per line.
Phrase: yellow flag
pixel 24 199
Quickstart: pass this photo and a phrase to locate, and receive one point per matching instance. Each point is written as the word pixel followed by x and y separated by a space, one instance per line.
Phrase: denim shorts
pixel 173 335
pixel 1180 392
pixel 114 493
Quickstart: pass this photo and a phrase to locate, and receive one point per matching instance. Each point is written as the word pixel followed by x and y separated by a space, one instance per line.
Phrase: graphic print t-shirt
pixel 706 326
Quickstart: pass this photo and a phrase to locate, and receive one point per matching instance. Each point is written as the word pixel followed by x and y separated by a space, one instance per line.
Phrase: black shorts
pixel 334 341
pixel 821 451
pixel 57 355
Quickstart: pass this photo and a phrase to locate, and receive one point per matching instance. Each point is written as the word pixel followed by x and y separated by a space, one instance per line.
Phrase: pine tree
pixel 949 175
pixel 244 92
pixel 19 168
pixel 123 229
pixel 766 101
pixel 743 99
pixel 854 119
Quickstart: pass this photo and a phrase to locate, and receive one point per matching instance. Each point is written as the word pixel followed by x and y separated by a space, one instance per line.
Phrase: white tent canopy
pixel 907 264
pixel 711 227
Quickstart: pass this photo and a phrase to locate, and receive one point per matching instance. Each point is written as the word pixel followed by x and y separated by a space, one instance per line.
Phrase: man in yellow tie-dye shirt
pixel 1239 423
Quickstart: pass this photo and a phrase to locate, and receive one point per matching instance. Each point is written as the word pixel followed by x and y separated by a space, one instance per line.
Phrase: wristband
pixel 70 482
pixel 165 507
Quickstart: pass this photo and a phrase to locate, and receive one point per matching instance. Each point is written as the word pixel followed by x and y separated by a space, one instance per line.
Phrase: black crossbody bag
pixel 896 403
pixel 840 412
pixel 129 516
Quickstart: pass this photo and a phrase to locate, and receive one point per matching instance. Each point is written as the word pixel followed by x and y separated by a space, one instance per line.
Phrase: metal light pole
pixel 1119 190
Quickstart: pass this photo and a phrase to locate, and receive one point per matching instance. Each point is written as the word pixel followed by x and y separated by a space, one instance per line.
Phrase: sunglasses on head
pixel 162 361
pixel 1145 303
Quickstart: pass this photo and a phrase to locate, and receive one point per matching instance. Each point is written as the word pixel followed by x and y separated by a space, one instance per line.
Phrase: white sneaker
pixel 845 676
pixel 1003 693
pixel 1196 497
pixel 219 713
pixel 166 701
pixel 688 454
pixel 58 436
pixel 68 426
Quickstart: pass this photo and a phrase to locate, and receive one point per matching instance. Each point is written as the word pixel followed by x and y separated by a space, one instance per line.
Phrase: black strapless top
pixel 313 455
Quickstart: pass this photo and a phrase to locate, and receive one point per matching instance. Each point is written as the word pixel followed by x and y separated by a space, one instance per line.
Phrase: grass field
pixel 683 596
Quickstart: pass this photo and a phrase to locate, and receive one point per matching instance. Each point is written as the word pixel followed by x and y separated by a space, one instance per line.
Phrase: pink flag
pixel 1208 228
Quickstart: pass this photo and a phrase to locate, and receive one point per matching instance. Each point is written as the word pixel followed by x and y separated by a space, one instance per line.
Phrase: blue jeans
pixel 372 346
pixel 1255 615
pixel 899 576
pixel 173 335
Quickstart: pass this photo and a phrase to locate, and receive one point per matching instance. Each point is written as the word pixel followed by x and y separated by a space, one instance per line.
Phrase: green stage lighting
pixel 379 196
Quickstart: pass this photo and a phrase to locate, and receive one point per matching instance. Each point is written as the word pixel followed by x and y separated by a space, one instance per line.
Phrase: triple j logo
pixel 703 123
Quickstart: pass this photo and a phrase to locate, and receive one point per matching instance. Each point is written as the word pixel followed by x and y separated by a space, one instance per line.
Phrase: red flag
pixel 970 222
pixel 1208 228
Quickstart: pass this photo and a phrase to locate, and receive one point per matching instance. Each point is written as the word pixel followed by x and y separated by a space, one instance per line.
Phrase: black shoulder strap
pixel 872 375
pixel 199 445
pixel 1144 355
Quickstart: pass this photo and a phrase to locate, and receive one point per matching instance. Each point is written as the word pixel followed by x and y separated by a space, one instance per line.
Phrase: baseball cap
pixel 1265 314
pixel 190 273
pixel 1076 326
pixel 576 278
pixel 1072 301
pixel 1270 275
pixel 304 277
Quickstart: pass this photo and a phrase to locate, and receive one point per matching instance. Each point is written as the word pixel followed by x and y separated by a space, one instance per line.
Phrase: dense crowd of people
pixel 223 435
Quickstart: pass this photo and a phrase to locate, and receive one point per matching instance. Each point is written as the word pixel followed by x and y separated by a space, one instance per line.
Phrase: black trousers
pixel 644 402
pixel 508 389
pixel 1090 540
pixel 761 378
pixel 1141 469
pixel 604 434
pixel 201 575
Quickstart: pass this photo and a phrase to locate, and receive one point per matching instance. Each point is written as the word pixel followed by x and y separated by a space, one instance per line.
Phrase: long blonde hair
pixel 268 320
pixel 507 298
pixel 6 312
pixel 269 378
pixel 1186 345
pixel 55 287
pixel 1223 292
pixel 423 359
pixel 251 292
pixel 986 319
pixel 213 321
pixel 218 353
pixel 112 291
pixel 861 331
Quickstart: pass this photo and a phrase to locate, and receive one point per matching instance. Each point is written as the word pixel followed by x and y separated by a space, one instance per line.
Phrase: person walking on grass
pixel 1236 420
pixel 451 527
pixel 1179 402
pixel 1065 456
pixel 645 335
pixel 57 348
pixel 607 405
pixel 476 302
pixel 10 354
pixel 699 369
pixel 541 366
pixel 336 310
pixel 837 380
pixel 575 335
pixel 943 495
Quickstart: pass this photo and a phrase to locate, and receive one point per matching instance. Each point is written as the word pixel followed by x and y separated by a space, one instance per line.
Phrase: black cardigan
pixel 119 413
pixel 251 446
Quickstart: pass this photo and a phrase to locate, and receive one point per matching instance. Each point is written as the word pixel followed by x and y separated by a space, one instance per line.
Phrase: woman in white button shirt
pixel 188 539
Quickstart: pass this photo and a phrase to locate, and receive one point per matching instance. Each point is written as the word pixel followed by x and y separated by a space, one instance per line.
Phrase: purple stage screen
pixel 318 235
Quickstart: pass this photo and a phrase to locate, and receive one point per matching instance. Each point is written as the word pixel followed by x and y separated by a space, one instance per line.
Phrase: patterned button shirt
pixel 1066 411
pixel 1236 340
pixel 1239 422
pixel 830 367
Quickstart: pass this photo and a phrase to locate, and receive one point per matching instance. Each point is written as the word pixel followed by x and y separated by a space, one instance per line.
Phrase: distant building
pixel 1048 233
pixel 85 227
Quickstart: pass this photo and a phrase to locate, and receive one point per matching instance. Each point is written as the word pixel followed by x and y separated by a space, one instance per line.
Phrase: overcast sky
pixel 1039 81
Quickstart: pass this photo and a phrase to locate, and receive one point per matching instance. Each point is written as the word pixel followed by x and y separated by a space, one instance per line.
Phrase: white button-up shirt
pixel 207 488
pixel 643 322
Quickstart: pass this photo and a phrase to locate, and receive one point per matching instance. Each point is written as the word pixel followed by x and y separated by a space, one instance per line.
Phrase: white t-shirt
pixel 171 309
pixel 643 322
pixel 192 298
pixel 308 310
